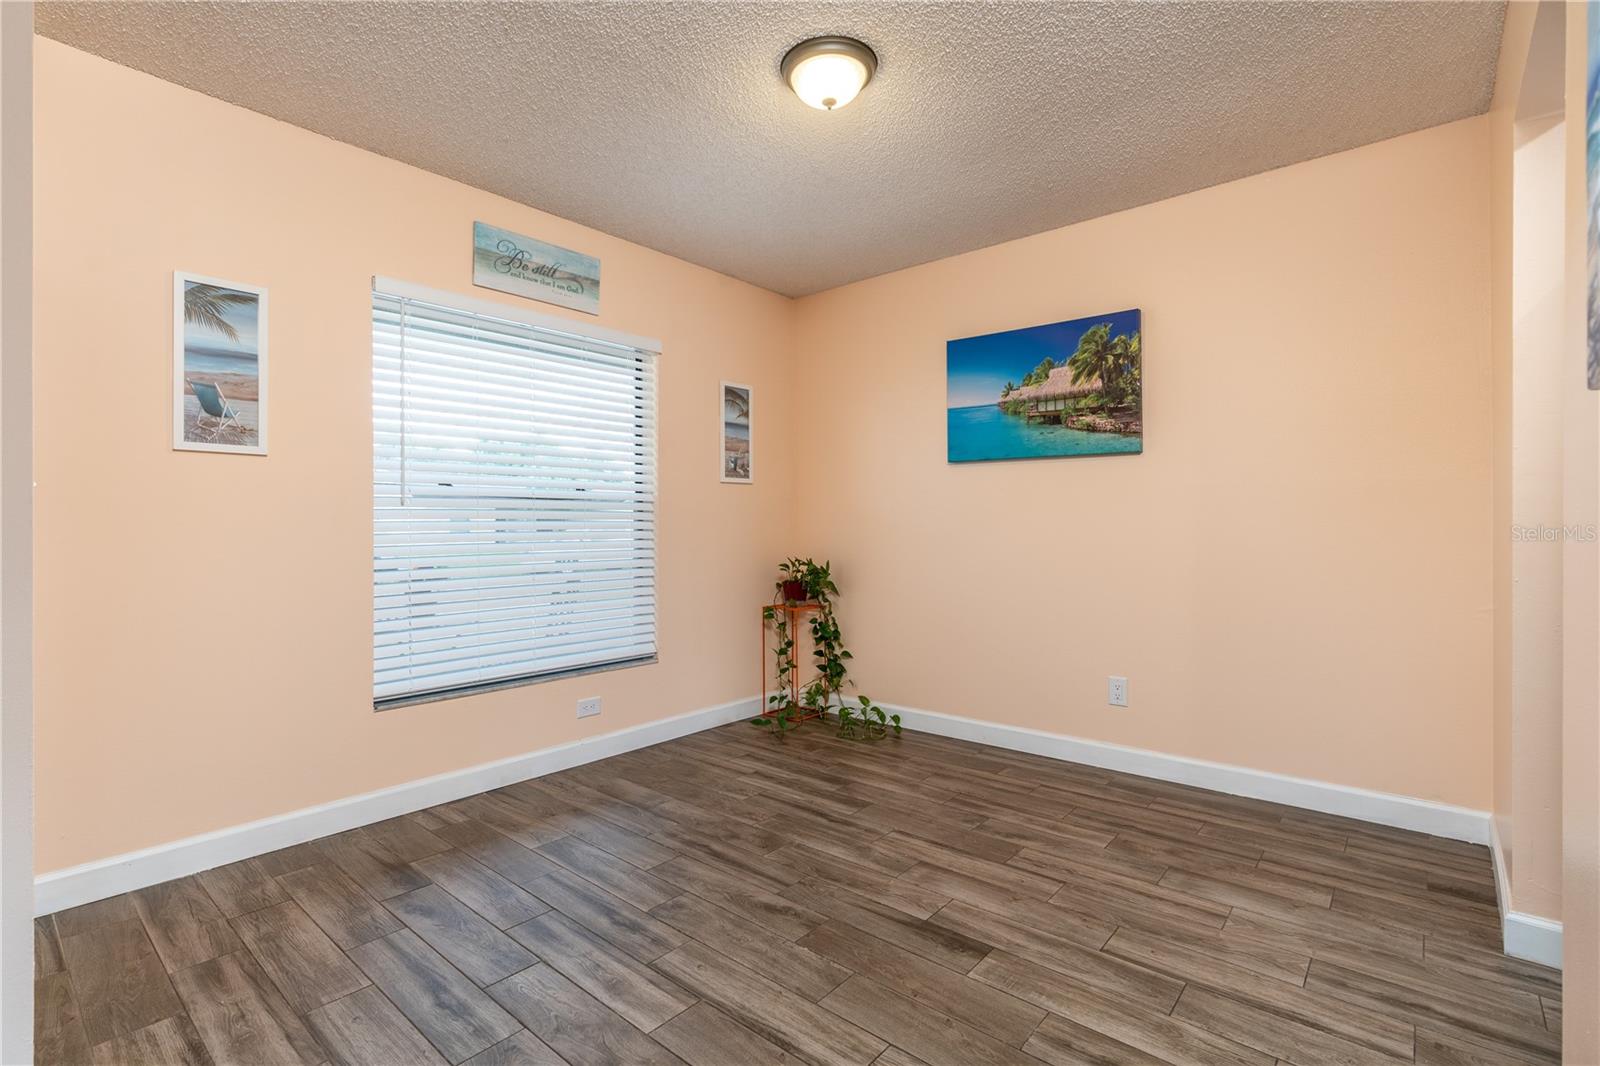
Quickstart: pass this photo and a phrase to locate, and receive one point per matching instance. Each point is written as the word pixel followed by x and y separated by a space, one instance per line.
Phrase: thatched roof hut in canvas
pixel 1050 396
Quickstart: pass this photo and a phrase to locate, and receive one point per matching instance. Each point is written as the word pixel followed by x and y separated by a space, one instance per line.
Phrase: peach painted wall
pixel 1538 294
pixel 1295 575
pixel 1527 263
pixel 204 637
pixel 1514 50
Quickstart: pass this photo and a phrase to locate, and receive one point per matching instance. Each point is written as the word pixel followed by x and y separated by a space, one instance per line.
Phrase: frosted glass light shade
pixel 828 72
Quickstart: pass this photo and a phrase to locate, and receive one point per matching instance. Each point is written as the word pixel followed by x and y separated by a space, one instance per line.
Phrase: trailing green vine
pixel 866 722
pixel 805 580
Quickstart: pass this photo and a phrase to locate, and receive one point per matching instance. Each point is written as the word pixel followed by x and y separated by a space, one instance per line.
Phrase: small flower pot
pixel 794 591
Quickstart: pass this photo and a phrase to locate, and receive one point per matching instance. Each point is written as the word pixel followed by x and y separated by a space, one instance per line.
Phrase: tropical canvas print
pixel 219 365
pixel 1592 157
pixel 735 432
pixel 1068 388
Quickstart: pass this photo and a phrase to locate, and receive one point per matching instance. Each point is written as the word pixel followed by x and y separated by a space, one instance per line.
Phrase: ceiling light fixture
pixel 828 72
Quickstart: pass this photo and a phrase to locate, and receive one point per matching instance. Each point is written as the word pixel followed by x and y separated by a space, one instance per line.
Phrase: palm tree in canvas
pixel 1096 356
pixel 207 305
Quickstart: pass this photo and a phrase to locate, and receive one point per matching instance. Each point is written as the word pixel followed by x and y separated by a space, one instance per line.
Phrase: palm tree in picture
pixel 207 305
pixel 1096 357
pixel 1127 357
pixel 739 402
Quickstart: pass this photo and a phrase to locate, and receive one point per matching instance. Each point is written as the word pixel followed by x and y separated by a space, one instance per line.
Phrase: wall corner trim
pixel 1383 808
pixel 103 878
pixel 1522 936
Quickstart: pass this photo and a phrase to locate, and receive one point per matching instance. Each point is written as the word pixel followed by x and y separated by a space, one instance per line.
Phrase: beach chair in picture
pixel 215 405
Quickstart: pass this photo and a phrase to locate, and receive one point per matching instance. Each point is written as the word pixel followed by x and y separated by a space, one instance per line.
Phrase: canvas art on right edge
pixel 1592 166
pixel 1067 388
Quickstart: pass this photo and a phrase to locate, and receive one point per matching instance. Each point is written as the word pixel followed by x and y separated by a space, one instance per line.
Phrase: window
pixel 513 496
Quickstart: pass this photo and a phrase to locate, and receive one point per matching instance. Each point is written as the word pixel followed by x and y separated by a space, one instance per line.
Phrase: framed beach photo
pixel 219 365
pixel 738 445
pixel 1062 389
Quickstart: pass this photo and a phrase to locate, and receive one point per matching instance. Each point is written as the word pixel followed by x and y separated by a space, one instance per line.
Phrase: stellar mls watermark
pixel 1586 533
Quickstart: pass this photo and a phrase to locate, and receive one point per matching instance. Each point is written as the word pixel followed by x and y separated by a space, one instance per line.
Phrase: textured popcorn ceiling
pixel 667 123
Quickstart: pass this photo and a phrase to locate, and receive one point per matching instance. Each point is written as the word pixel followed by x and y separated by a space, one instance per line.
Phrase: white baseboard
pixel 1402 812
pixel 91 881
pixel 1528 936
pixel 1524 936
pixel 1502 875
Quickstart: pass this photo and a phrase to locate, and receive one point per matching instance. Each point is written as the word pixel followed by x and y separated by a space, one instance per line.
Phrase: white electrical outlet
pixel 1117 691
pixel 589 708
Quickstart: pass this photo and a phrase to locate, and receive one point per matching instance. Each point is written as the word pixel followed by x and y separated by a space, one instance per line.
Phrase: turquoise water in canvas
pixel 986 432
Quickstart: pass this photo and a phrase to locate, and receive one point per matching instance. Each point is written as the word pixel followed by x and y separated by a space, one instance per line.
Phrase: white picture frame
pixel 736 468
pixel 220 345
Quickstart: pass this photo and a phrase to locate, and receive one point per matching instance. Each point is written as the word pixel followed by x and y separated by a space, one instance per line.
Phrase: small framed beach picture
pixel 219 365
pixel 1062 389
pixel 738 445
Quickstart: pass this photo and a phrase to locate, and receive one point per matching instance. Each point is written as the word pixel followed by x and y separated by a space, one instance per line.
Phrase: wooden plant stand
pixel 794 613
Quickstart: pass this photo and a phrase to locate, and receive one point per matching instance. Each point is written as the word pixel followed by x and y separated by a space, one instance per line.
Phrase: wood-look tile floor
pixel 727 900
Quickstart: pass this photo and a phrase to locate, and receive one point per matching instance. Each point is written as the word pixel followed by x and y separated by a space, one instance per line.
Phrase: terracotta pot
pixel 794 591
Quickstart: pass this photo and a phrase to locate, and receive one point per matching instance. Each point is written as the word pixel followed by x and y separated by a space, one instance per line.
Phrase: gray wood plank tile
pixel 981 1006
pixel 615 978
pixel 617 921
pixel 500 901
pixel 768 1009
pixel 582 1030
pixel 305 965
pixel 620 878
pixel 406 839
pixel 520 1049
pixel 371 864
pixel 1148 1030
pixel 937 943
pixel 109 911
pixel 46 947
pixel 779 914
pixel 1271 1032
pixel 241 887
pixel 169 1042
pixel 631 847
pixel 819 865
pixel 704 1036
pixel 184 924
pixel 1066 1043
pixel 1095 968
pixel 336 903
pixel 456 1016
pixel 779 960
pixel 241 1015
pixel 58 1035
pixel 1104 1033
pixel 927 1034
pixel 364 1029
pixel 517 864
pixel 118 980
pixel 472 945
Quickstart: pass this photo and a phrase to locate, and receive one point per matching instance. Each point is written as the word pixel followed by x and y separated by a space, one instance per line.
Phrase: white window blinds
pixel 513 492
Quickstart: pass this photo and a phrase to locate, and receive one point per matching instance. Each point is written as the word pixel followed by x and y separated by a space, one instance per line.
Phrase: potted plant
pixel 804 581
pixel 808 581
